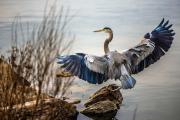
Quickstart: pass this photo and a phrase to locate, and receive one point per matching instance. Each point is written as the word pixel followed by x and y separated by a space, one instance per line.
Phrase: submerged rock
pixel 104 103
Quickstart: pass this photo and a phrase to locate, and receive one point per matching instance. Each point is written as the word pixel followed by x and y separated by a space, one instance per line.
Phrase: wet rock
pixel 110 92
pixel 102 110
pixel 104 103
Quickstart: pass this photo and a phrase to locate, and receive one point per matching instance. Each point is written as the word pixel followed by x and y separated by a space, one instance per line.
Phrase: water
pixel 157 93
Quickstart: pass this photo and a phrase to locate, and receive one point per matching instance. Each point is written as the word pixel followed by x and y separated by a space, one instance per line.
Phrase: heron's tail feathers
pixel 127 82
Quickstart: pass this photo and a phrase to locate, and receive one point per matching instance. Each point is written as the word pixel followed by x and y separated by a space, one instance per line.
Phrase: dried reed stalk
pixel 33 62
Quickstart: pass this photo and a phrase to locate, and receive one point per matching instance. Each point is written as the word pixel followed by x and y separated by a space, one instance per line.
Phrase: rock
pixel 50 109
pixel 104 103
pixel 61 73
pixel 21 100
pixel 102 110
pixel 109 92
pixel 77 101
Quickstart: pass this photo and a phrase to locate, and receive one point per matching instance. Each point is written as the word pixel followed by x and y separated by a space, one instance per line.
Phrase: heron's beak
pixel 98 30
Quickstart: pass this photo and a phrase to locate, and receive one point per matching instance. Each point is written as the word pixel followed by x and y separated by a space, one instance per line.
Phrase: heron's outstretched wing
pixel 155 45
pixel 90 68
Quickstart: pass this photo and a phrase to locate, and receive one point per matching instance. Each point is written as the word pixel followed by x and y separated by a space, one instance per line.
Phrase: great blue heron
pixel 115 65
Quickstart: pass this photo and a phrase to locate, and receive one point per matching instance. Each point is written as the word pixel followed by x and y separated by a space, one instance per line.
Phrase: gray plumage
pixel 116 65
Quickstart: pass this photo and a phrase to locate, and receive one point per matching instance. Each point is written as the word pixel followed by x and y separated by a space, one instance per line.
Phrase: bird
pixel 120 65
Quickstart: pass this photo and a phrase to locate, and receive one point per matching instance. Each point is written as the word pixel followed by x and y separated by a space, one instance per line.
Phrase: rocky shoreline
pixel 12 105
pixel 103 104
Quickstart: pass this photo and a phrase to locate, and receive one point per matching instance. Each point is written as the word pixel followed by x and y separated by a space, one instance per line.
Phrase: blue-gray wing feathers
pixel 160 40
pixel 76 65
pixel 96 69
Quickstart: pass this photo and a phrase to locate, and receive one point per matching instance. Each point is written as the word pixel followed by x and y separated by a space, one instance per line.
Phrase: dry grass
pixel 30 70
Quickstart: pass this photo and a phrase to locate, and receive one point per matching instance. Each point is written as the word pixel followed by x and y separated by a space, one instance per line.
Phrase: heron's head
pixel 105 29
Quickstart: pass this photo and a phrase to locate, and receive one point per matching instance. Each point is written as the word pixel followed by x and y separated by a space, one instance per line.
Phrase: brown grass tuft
pixel 30 70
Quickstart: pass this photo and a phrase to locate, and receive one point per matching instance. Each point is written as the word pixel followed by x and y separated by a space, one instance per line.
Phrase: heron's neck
pixel 107 41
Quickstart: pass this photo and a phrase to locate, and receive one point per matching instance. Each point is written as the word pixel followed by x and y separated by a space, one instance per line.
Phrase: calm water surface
pixel 156 95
